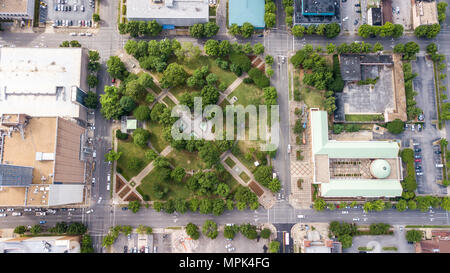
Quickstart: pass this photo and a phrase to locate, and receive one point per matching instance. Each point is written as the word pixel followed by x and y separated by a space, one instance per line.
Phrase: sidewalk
pixel 231 88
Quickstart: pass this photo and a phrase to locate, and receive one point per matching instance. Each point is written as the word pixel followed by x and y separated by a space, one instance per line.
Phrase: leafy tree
pixel 141 229
pixel 142 113
pixel 270 19
pixel 234 29
pixel 153 28
pixel 224 48
pixel 378 47
pixel 196 30
pixel 178 174
pixel 181 206
pixel 173 76
pixel 187 52
pixel 258 48
pixel 20 230
pixel 432 48
pixel 218 207
pixel 396 126
pixel 331 48
pixel 263 175
pixel 275 185
pixel 274 247
pixel 76 228
pixel 441 8
pixel 229 232
pixel 194 204
pixel 212 48
pixel 205 206
pixel 192 231
pixel 112 156
pixel 346 240
pixel 75 43
pixel 319 204
pixel 86 244
pixel 414 235
pixel 298 31
pixel 209 154
pixel 210 29
pixel 247 30
pixel 249 231
pixel 94 56
pixel 427 31
pixel 265 233
pixel 96 17
pixel 91 100
pixel 332 30
pixel 269 60
pixel 134 206
pixel 135 164
pixel 401 205
pixel 209 229
pixel 92 81
pixel 223 190
pixel 116 68
pixel 127 104
pixel 412 205
pixel 445 203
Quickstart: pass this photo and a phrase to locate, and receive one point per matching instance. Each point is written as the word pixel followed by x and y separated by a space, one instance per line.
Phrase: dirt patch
pixel 256 188
pixel 257 62
pixel 262 68
pixel 133 197
pixel 387 11
pixel 124 192
pixel 119 184
pixel 252 57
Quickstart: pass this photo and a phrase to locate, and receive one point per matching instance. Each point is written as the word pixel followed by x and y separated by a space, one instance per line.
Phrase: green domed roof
pixel 380 168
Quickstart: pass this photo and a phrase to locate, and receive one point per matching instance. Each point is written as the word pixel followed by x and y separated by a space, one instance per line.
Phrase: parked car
pixel 10 209
pixel 344 212
pixel 419 173
pixel 125 249
pixel 3 215
pixel 437 152
pixel 418 160
pixel 40 213
pixel 108 186
pixel 355 219
pixel 71 209
pixel 16 214
pixel 421 117
pixel 27 209
pixel 125 208
pixel 417 150
pixel 2 210
pixel 417 156
pixel 89 211
pixel 42 222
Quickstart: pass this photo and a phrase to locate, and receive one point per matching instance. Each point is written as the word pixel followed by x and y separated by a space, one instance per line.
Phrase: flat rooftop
pixel 51 244
pixel 168 9
pixel 13 6
pixel 424 13
pixel 317 12
pixel 39 136
pixel 40 81
pixel 241 11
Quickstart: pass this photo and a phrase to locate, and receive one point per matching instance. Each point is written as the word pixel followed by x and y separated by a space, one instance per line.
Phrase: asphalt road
pixel 278 43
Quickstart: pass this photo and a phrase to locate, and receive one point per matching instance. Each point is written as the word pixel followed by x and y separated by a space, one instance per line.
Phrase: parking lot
pixel 135 243
pixel 351 19
pixel 377 243
pixel 75 13
pixel 401 13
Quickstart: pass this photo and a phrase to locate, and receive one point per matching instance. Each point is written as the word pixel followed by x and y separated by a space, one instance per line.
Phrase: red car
pixel 418 160
pixel 113 80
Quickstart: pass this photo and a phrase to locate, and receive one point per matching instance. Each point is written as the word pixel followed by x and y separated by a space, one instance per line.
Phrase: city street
pixel 278 43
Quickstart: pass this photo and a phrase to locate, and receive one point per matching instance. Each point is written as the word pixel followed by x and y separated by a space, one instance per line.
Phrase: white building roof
pixel 175 10
pixel 40 81
pixel 63 194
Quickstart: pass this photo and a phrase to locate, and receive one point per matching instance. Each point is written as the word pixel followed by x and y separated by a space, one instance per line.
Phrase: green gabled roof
pixel 361 187
pixel 346 149
pixel 241 11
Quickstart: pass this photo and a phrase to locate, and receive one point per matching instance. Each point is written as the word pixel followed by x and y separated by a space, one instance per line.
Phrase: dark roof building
pixel 307 12
pixel 374 17
pixel 350 67
pixel 15 176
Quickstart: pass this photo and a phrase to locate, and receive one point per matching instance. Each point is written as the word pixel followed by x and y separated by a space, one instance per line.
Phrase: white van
pixel 108 186
pixel 108 178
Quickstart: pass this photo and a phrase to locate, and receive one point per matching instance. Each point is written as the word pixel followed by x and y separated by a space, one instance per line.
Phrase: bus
pixel 286 238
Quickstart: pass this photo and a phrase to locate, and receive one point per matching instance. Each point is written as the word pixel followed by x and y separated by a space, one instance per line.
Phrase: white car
pixel 89 211
pixel 16 214
pixel 26 210
pixel 93 180
pixel 108 186
pixel 355 220
pixel 9 209
pixel 108 178
pixel 99 200
pixel 3 214
pixel 40 213
pixel 73 34
pixel 94 155
pixel 301 216
pixel 82 34
pixel 88 34
pixel 344 212
pixel 289 149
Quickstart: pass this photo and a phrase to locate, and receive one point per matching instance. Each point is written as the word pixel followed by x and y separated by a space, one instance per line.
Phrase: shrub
pixel 259 78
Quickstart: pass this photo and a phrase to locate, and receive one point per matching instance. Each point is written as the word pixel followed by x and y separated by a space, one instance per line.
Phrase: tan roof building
pixel 439 243
pixel 52 150
pixel 17 9
pixel 43 244
pixel 424 12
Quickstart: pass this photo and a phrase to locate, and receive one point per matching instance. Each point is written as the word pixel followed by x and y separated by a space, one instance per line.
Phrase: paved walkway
pixel 267 199
pixel 231 88
pixel 138 178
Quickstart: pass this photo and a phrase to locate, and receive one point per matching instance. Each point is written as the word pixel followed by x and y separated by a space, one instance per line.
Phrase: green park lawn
pixel 247 94
pixel 230 162
pixel 156 138
pixel 130 150
pixel 364 117
pixel 244 176
pixel 224 76
pixel 186 160
pixel 169 102
pixel 243 147
pixel 176 190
